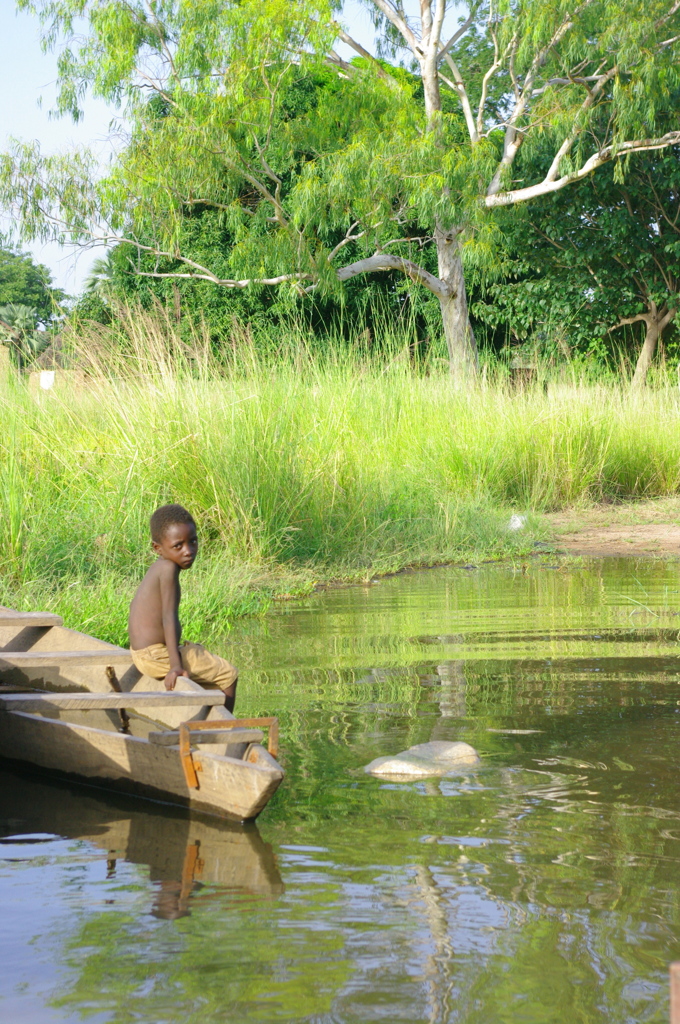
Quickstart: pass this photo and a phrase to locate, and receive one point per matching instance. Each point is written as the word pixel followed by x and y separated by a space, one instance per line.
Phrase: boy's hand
pixel 172 677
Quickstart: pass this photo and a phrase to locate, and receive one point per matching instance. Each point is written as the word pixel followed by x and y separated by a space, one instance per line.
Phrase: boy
pixel 154 627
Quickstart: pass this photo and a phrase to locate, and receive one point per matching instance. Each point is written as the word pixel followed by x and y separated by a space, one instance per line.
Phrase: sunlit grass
pixel 297 470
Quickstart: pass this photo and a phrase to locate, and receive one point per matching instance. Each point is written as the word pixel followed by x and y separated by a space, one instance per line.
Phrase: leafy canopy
pixel 26 283
pixel 601 256
pixel 312 163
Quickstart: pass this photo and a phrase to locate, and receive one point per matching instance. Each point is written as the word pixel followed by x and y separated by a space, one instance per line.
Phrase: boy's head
pixel 173 535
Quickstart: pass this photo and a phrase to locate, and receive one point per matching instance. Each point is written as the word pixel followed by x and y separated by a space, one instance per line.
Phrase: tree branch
pixel 573 135
pixel 349 237
pixel 336 61
pixel 628 320
pixel 460 31
pixel 358 48
pixel 603 156
pixel 384 261
pixel 400 24
pixel 436 30
pixel 513 139
pixel 226 282
pixel 458 87
pixel 490 72
pixel 661 319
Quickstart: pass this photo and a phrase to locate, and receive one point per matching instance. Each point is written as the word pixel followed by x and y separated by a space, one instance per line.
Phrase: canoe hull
pixel 228 786
pixel 68 743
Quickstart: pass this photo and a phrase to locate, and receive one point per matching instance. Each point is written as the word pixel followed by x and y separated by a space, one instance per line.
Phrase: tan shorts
pixel 200 665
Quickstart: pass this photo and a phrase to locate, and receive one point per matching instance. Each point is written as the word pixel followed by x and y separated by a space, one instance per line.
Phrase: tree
pixel 26 283
pixel 402 166
pixel 599 257
pixel 100 280
pixel 18 332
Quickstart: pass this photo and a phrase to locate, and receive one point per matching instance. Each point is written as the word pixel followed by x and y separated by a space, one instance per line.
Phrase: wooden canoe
pixel 76 706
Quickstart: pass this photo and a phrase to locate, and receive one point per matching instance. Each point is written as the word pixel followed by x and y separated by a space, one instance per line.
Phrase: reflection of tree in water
pixel 438 963
pixel 452 693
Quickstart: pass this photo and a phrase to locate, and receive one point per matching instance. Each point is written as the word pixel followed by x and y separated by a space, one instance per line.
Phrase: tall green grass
pixel 298 469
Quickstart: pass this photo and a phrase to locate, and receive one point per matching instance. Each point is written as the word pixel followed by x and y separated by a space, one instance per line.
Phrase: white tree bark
pixel 654 321
pixel 646 353
pixel 460 338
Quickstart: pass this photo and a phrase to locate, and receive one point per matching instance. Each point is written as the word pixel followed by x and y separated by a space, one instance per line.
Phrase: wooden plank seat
pixel 106 701
pixel 22 619
pixel 43 659
pixel 170 738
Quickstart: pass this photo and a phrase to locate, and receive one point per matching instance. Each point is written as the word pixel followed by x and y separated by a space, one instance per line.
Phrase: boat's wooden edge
pixel 8 617
pixel 229 787
pixel 43 659
pixel 54 630
pixel 170 738
pixel 106 701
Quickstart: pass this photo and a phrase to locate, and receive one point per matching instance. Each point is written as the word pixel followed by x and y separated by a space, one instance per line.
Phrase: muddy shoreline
pixel 644 528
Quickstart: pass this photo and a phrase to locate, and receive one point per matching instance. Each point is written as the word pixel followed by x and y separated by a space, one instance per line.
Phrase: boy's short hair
pixel 167 516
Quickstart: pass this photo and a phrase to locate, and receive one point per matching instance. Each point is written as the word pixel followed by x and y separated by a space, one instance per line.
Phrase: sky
pixel 27 75
pixel 28 86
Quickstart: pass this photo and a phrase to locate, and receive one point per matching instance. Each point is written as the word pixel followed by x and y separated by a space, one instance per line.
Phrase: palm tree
pixel 18 324
pixel 100 279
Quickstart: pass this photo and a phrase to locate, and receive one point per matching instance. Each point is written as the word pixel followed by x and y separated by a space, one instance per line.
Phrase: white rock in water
pixel 517 522
pixel 434 758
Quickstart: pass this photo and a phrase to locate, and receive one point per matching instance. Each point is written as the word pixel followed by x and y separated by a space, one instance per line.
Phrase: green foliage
pixel 18 331
pixel 305 165
pixel 26 283
pixel 589 257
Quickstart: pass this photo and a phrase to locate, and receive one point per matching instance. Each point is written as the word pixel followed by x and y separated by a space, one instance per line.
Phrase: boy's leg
pixel 152 661
pixel 210 670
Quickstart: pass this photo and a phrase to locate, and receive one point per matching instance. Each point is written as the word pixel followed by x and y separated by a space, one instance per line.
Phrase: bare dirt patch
pixel 636 528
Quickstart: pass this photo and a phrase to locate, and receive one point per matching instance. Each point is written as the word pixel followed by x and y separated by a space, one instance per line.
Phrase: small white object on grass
pixel 434 758
pixel 517 522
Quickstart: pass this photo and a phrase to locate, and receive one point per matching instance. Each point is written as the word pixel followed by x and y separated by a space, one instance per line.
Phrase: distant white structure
pixel 517 523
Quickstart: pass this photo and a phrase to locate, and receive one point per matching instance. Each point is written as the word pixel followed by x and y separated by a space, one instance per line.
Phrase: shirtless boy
pixel 154 627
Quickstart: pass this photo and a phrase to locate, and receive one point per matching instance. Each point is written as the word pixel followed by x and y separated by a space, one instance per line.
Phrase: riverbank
pixel 641 528
pixel 300 473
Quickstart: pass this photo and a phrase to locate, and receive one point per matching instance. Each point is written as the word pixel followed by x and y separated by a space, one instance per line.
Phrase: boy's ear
pixel 156 546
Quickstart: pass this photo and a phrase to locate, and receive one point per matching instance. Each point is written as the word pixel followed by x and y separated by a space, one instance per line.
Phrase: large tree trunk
pixel 460 338
pixel 656 320
pixel 647 351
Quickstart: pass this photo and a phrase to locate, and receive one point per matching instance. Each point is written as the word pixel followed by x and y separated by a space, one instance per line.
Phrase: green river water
pixel 540 888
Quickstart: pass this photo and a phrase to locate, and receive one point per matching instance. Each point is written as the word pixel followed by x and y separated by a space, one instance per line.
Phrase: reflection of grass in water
pixel 297 470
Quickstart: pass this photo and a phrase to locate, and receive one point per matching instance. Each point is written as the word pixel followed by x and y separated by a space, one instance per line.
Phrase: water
pixel 542 887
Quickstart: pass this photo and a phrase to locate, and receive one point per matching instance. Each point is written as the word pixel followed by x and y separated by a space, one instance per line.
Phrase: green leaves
pixel 593 257
pixel 306 163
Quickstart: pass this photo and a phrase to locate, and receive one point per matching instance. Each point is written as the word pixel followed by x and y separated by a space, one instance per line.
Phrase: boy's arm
pixel 170 619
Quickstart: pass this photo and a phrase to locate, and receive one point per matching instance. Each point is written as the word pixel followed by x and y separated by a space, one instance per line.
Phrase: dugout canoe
pixel 76 706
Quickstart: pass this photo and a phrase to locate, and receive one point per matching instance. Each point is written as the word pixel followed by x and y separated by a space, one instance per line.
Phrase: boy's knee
pixel 229 677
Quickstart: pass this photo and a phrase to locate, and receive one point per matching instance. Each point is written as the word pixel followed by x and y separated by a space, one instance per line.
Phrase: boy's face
pixel 179 544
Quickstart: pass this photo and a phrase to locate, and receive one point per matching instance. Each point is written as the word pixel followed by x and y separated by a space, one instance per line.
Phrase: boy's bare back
pixel 157 597
pixel 154 611
pixel 154 626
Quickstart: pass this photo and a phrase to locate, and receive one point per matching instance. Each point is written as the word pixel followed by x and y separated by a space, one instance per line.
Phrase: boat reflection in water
pixel 185 854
